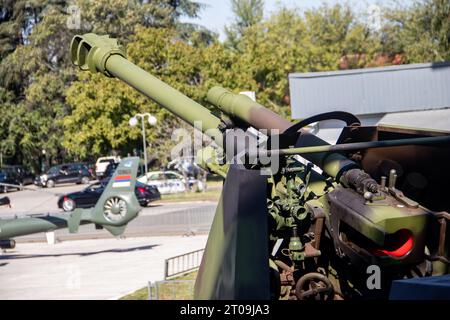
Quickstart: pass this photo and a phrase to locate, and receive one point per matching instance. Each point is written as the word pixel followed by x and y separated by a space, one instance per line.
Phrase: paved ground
pixel 99 266
pixel 88 269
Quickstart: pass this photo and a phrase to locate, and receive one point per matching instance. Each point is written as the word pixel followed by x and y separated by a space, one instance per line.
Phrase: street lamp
pixel 134 121
pixel 44 155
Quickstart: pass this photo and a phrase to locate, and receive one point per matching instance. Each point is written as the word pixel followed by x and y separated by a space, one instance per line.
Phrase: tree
pixel 292 41
pixel 247 13
pixel 7 145
pixel 420 32
pixel 35 69
pixel 17 18
pixel 34 74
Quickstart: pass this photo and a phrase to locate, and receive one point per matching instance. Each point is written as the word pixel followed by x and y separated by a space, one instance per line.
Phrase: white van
pixel 103 162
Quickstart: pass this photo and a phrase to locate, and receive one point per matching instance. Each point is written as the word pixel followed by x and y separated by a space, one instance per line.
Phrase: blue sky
pixel 218 13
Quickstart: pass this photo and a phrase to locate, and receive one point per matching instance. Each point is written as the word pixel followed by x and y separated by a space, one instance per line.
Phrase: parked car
pixel 88 197
pixel 65 173
pixel 166 181
pixel 102 164
pixel 16 175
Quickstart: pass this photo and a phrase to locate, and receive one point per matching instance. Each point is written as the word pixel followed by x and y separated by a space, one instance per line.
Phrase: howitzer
pixel 305 231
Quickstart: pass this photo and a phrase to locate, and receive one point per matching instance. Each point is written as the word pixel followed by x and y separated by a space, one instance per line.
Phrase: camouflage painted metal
pixel 235 262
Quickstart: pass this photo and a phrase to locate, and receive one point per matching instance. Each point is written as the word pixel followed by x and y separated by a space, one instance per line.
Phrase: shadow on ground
pixel 81 254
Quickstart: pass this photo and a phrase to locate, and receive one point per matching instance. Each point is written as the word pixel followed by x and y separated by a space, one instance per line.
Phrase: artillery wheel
pixel 314 286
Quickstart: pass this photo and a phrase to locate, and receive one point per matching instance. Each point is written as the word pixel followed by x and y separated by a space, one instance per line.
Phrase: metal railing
pixel 182 263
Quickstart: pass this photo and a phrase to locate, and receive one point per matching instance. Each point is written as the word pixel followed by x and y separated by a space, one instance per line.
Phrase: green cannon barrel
pixel 242 107
pixel 105 55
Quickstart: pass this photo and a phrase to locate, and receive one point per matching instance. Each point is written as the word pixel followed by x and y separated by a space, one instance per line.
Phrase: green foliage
pixel 293 42
pixel 420 32
pixel 17 18
pixel 35 70
pixel 7 144
pixel 118 18
pixel 247 13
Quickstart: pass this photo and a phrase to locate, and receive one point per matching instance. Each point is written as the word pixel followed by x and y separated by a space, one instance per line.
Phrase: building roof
pixel 367 91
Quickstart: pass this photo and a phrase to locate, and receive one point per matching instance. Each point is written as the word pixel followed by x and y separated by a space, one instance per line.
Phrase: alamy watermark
pixel 73 21
pixel 373 281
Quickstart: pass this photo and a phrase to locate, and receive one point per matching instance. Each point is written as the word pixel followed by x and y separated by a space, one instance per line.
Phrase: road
pixel 158 219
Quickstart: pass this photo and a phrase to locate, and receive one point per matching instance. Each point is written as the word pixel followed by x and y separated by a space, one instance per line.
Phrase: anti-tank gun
pixel 310 221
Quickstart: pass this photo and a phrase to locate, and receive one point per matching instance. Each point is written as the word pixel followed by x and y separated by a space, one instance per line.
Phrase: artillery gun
pixel 313 225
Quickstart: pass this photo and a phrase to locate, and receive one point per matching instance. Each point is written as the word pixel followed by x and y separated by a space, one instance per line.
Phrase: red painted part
pixel 123 177
pixel 400 244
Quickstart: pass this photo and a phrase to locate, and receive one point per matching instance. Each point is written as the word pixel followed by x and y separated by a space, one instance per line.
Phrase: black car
pixel 15 175
pixel 65 173
pixel 88 197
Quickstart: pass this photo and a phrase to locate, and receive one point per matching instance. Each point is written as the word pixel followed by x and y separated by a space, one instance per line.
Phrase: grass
pixel 141 294
pixel 168 291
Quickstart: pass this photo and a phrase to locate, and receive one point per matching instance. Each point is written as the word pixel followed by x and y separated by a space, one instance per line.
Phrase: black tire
pixel 143 204
pixel 68 205
pixel 50 183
